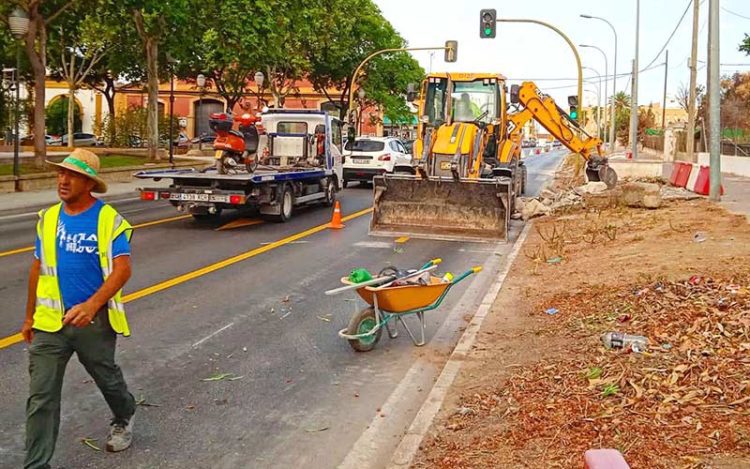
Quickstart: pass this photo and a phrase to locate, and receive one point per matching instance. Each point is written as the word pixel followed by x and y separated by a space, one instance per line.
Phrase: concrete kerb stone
pixel 407 449
pixel 42 181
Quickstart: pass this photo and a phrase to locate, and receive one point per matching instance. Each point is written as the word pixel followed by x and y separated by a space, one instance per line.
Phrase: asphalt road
pixel 304 396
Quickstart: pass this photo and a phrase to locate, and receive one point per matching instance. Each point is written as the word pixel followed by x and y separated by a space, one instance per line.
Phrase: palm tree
pixel 622 100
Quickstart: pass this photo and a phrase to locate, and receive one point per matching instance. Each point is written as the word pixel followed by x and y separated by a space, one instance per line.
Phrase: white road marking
pixel 20 215
pixel 213 334
pixel 374 244
pixel 409 445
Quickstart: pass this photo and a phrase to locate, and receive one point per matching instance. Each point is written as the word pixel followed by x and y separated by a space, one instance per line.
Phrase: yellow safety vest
pixel 49 304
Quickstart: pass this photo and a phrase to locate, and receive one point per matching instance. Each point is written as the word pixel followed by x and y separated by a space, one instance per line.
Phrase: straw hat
pixel 84 162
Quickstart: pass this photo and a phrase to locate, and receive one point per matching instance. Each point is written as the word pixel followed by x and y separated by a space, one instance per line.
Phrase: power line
pixel 735 14
pixel 687 8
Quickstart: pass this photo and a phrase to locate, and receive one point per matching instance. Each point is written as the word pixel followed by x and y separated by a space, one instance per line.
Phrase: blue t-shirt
pixel 78 270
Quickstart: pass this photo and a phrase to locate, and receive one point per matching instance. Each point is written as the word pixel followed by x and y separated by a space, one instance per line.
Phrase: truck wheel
pixel 362 323
pixel 287 206
pixel 330 191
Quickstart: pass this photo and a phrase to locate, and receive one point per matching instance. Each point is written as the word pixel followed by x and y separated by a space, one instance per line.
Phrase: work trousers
pixel 48 356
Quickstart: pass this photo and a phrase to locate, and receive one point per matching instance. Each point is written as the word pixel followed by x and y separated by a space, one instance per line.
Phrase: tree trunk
pixel 151 47
pixel 71 113
pixel 152 51
pixel 36 44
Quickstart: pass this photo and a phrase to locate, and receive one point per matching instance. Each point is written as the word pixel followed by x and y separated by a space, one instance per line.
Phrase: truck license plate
pixel 217 154
pixel 199 197
pixel 445 165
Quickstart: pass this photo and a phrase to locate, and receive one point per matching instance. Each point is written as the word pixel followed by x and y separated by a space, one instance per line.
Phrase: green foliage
pixel 351 31
pixel 130 128
pixel 57 117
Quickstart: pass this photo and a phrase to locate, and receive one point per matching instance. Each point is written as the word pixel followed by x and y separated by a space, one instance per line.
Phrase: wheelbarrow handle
pixel 432 262
pixel 473 270
pixel 355 286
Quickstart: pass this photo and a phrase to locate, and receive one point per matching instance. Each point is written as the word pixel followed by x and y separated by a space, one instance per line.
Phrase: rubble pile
pixel 682 401
pixel 630 193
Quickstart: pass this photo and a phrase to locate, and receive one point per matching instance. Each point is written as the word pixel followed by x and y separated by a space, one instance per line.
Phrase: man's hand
pixel 26 331
pixel 80 315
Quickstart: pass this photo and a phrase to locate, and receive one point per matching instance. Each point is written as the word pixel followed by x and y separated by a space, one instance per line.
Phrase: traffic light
pixel 573 103
pixel 487 23
pixel 451 51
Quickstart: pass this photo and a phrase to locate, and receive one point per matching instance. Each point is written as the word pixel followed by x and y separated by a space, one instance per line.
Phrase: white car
pixel 370 156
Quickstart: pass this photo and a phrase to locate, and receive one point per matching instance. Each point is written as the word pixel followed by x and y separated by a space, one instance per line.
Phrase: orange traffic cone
pixel 336 218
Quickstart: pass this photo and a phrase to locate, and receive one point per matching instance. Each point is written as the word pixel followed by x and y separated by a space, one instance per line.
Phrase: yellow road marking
pixel 402 239
pixel 10 340
pixel 240 222
pixel 142 225
pixel 14 339
pixel 16 251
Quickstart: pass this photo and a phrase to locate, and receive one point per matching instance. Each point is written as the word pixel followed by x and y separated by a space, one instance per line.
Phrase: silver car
pixel 81 139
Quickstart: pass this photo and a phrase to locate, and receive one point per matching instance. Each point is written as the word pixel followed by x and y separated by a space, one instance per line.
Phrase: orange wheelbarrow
pixel 389 301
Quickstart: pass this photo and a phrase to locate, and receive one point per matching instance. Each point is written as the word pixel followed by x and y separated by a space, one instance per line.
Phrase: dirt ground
pixel 539 388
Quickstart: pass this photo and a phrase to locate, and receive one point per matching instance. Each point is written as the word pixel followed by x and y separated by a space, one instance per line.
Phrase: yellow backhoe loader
pixel 467 168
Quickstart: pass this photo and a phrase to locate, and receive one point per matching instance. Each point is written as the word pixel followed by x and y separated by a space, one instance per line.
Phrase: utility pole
pixel 633 133
pixel 634 98
pixel 664 99
pixel 693 72
pixel 714 114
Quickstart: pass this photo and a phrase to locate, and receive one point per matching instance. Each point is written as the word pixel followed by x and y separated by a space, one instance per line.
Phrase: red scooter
pixel 235 148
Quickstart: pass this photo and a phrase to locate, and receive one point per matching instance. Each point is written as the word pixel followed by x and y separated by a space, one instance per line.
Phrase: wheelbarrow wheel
pixel 362 323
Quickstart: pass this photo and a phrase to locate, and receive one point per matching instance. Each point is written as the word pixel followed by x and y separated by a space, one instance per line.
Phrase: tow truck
pixel 300 163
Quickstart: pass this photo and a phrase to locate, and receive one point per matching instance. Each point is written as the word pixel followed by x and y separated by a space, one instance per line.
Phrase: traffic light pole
pixel 570 43
pixel 374 54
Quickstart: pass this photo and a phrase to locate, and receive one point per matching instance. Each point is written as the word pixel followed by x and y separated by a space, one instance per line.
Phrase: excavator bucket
pixel 441 208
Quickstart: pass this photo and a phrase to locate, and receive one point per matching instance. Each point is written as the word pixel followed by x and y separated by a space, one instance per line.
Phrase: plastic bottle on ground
pixel 637 343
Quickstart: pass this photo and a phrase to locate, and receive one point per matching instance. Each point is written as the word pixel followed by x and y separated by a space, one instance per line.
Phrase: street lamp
pixel 614 83
pixel 361 96
pixel 200 80
pixel 599 103
pixel 259 79
pixel 171 61
pixel 606 73
pixel 596 92
pixel 19 26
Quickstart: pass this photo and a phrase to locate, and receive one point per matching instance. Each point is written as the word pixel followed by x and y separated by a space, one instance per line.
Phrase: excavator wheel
pixel 608 176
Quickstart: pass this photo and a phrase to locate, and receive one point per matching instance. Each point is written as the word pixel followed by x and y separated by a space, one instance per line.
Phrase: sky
pixel 529 51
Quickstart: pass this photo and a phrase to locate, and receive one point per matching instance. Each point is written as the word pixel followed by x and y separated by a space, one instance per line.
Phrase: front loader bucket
pixel 441 208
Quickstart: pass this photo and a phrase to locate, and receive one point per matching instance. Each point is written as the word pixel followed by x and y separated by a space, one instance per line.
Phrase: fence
pixel 655 142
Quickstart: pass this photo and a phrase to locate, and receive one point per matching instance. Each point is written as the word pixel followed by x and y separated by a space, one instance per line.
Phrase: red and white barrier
pixel 692 177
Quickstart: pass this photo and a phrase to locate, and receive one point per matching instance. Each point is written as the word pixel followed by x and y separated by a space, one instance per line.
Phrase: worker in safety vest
pixel 82 261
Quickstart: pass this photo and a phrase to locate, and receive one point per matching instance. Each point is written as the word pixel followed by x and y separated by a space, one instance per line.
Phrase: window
pixel 401 147
pixel 434 106
pixel 336 132
pixel 291 128
pixel 365 145
pixel 474 100
pixel 394 145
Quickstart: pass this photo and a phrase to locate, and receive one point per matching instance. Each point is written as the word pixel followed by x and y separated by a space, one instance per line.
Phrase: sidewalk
pixel 25 202
pixel 737 194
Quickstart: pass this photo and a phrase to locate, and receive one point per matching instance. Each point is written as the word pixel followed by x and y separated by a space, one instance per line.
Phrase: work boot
pixel 120 435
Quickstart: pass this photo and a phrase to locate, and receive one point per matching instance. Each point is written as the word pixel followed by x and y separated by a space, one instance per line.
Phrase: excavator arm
pixel 544 110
